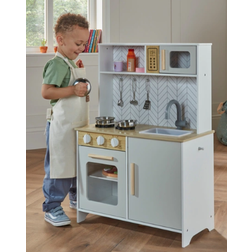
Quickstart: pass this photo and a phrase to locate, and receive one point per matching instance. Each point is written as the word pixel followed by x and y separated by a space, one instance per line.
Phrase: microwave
pixel 178 59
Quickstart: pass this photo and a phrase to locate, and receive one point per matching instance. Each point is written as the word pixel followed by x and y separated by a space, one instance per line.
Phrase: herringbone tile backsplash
pixel 162 90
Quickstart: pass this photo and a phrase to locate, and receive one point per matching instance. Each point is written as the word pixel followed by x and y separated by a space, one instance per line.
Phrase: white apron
pixel 68 113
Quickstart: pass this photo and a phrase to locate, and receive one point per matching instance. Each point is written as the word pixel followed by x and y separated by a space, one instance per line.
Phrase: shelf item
pixel 118 66
pixel 131 61
pixel 110 172
pixel 93 40
pixel 140 70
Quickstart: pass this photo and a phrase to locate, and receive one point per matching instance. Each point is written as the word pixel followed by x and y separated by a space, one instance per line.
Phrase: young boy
pixel 68 106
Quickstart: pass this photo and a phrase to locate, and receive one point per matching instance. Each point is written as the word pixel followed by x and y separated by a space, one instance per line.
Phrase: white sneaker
pixel 73 204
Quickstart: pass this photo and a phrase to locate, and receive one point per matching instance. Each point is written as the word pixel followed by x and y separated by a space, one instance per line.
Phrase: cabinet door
pixel 154 182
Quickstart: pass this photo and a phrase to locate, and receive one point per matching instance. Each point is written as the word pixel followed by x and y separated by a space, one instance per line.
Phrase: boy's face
pixel 72 43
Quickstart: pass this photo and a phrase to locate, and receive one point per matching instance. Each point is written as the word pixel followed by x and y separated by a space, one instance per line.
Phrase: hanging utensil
pixel 147 103
pixel 120 102
pixel 134 101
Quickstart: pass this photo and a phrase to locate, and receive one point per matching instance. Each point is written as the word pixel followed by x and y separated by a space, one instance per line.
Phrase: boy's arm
pixel 52 92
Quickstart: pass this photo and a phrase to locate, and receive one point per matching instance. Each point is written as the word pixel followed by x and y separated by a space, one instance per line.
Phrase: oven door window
pixel 102 185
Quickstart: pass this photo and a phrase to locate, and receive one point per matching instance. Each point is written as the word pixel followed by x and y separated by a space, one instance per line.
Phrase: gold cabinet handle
pixel 163 59
pixel 132 178
pixel 101 157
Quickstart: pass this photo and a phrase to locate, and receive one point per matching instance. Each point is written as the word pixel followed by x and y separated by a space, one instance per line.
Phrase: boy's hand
pixel 79 64
pixel 80 89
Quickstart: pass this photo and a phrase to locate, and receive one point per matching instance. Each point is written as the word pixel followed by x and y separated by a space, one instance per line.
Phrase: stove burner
pixel 105 126
pixel 126 128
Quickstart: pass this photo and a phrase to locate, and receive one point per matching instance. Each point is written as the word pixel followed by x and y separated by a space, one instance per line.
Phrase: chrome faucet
pixel 179 123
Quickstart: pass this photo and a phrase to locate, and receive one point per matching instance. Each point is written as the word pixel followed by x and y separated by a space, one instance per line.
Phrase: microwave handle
pixel 163 59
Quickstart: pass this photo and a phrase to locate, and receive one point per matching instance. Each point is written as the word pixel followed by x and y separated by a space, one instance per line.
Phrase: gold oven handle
pixel 132 178
pixel 101 157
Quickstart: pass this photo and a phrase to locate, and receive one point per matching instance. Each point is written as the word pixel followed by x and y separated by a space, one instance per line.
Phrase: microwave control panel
pixel 152 59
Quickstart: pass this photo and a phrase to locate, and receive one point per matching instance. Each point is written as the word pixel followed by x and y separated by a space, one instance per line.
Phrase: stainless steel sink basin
pixel 166 132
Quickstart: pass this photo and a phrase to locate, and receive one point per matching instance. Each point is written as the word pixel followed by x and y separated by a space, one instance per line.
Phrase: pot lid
pixel 83 80
pixel 104 118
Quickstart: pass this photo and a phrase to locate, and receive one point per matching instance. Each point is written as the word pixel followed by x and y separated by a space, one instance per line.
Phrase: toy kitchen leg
pixel 81 216
pixel 187 234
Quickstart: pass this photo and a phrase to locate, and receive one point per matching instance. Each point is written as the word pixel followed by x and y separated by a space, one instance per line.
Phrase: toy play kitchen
pixel 151 165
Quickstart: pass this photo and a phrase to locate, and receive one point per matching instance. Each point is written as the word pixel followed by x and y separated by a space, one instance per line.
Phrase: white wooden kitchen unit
pixel 164 182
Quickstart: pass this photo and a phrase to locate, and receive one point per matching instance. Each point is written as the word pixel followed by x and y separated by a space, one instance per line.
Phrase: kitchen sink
pixel 166 132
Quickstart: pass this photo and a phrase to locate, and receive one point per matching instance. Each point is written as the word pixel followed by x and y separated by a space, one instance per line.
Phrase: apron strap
pixel 75 71
pixel 68 63
pixel 65 59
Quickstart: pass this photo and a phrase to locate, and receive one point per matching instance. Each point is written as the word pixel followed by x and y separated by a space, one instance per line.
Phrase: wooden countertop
pixel 135 133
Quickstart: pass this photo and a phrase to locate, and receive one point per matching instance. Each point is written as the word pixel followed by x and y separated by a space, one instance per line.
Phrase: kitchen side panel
pixel 197 187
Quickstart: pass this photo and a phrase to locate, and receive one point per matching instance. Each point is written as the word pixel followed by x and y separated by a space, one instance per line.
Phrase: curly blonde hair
pixel 66 22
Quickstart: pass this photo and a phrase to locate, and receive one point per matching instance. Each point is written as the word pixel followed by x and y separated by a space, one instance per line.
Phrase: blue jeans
pixel 55 190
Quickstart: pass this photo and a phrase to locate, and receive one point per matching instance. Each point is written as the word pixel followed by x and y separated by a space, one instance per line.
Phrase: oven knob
pixel 114 142
pixel 100 140
pixel 87 138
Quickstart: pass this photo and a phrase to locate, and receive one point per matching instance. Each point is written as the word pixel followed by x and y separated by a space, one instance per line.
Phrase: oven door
pixel 98 193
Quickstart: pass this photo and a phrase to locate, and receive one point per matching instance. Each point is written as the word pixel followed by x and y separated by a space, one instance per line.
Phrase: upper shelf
pixel 152 74
pixel 170 59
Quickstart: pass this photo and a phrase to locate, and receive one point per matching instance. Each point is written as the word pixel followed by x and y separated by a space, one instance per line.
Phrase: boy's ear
pixel 59 39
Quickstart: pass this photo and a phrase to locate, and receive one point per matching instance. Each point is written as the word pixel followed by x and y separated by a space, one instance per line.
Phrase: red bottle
pixel 131 61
